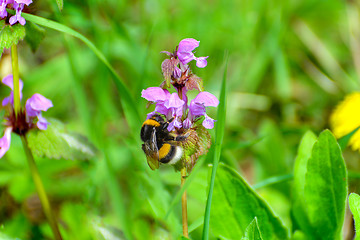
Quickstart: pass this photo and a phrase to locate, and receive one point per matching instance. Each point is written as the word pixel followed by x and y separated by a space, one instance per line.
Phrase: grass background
pixel 289 63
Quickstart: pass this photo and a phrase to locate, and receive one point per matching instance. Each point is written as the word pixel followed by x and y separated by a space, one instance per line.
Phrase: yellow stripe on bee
pixel 151 122
pixel 164 150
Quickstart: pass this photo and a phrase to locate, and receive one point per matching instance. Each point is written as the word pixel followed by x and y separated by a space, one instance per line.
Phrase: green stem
pixel 15 72
pixel 41 190
pixel 184 204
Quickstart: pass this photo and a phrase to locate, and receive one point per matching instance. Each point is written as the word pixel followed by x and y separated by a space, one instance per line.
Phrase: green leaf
pixel 10 35
pixel 304 154
pixel 34 35
pixel 252 232
pixel 60 4
pixel 236 204
pixel 354 204
pixel 56 142
pixel 325 189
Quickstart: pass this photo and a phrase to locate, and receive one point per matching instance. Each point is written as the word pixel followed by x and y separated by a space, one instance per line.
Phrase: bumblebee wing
pixel 152 152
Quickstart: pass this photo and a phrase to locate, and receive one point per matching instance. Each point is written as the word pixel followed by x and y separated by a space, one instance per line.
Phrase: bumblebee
pixel 160 146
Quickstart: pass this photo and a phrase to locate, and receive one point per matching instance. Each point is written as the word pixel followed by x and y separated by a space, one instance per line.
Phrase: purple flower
pixel 26 2
pixel 3 12
pixel 17 17
pixel 34 106
pixel 8 81
pixel 198 108
pixel 167 104
pixel 185 54
pixel 5 141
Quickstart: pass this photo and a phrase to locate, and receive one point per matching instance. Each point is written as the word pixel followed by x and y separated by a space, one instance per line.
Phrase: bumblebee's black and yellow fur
pixel 160 146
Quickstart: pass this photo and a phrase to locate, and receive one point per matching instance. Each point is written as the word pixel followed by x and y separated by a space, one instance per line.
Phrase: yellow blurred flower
pixel 346 118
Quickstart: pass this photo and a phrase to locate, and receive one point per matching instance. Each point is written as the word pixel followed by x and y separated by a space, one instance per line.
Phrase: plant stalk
pixel 41 190
pixel 15 72
pixel 184 204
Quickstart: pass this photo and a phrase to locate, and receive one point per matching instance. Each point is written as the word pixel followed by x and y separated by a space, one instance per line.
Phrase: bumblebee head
pixel 154 124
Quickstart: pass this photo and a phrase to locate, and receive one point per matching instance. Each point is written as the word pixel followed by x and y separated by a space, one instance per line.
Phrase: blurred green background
pixel 289 64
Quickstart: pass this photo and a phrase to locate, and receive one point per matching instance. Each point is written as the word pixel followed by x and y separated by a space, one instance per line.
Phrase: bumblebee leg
pixel 182 137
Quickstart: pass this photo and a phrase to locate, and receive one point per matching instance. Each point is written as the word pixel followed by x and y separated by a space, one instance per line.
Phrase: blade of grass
pixel 324 56
pixel 219 136
pixel 273 180
pixel 128 103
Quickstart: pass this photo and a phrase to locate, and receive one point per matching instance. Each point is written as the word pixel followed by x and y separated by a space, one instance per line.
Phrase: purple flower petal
pixel 188 45
pixel 36 104
pixel 8 99
pixel 26 2
pixel 154 94
pixel 208 122
pixel 174 124
pixel 197 109
pixel 187 123
pixel 177 72
pixel 150 114
pixel 3 12
pixel 21 20
pixel 13 20
pixel 42 123
pixel 17 17
pixel 206 98
pixel 201 62
pixel 185 57
pixel 5 141
pixel 160 108
pixel 9 81
pixel 174 101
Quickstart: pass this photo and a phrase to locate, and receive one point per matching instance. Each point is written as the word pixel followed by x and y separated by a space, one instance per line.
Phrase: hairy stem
pixel 184 204
pixel 41 190
pixel 15 72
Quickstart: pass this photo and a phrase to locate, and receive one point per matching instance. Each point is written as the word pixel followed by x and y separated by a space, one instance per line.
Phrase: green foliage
pixel 320 187
pixel 289 64
pixel 235 205
pixel 60 4
pixel 252 232
pixel 10 35
pixel 354 204
pixel 220 130
pixel 34 35
pixel 57 142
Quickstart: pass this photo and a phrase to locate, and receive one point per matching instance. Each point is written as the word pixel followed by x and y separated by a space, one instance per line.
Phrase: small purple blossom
pixel 198 108
pixel 18 5
pixel 186 55
pixel 35 105
pixel 8 81
pixel 173 107
pixel 5 141
pixel 167 104
pixel 17 17
pixel 3 12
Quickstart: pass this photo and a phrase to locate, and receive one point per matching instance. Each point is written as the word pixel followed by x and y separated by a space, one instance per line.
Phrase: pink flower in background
pixel 24 120
pixel 34 106
pixel 18 5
